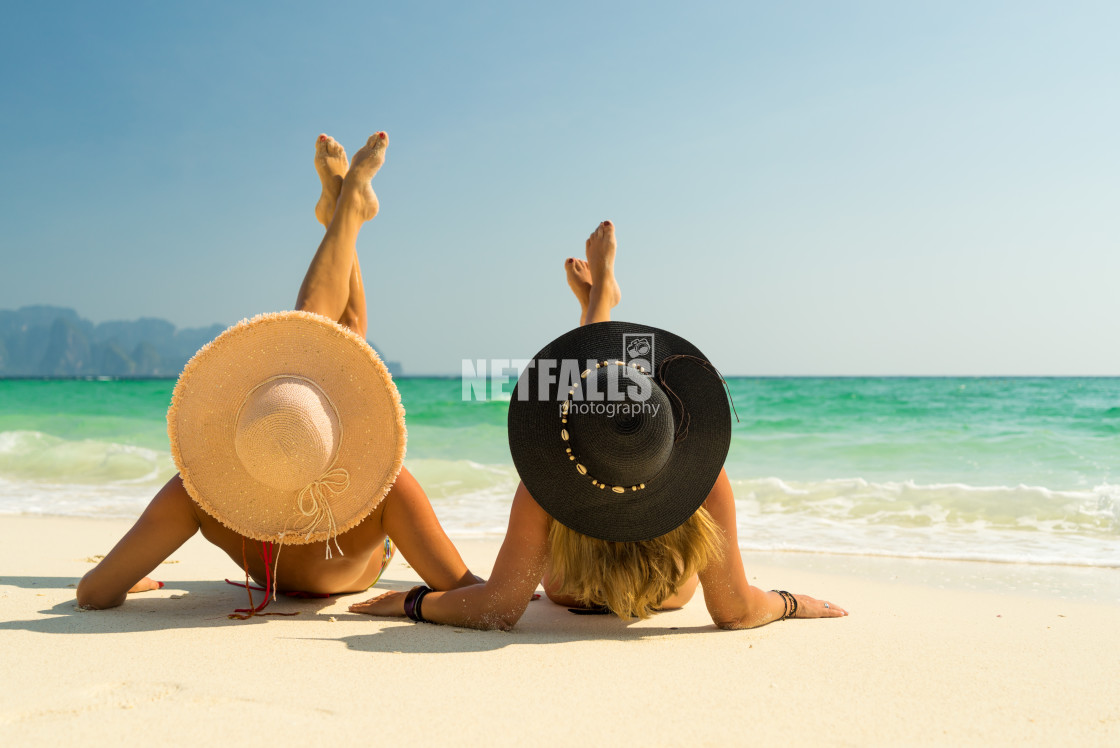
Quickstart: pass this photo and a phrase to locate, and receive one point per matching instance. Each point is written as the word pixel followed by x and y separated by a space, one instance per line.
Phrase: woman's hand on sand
pixel 146 584
pixel 389 604
pixel 810 607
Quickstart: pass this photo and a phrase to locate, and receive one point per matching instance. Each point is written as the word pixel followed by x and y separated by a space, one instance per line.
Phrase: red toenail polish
pixel 322 137
pixel 160 585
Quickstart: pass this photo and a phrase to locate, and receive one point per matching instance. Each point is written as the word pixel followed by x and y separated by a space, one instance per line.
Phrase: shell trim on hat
pixel 566 406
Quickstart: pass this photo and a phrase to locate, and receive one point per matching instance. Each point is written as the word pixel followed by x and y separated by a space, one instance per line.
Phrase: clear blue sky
pixel 800 188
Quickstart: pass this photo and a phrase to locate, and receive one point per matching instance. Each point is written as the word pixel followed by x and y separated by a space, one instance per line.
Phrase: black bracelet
pixel 420 602
pixel 412 602
pixel 789 604
pixel 785 604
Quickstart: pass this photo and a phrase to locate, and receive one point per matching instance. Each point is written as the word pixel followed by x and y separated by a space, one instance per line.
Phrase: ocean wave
pixel 463 480
pixel 110 500
pixel 949 521
pixel 909 504
pixel 33 456
pixel 44 474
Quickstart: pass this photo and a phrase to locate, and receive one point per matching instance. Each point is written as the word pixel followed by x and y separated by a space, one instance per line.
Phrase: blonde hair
pixel 632 579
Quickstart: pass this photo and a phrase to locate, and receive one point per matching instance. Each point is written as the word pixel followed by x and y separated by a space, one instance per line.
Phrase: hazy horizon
pixel 457 374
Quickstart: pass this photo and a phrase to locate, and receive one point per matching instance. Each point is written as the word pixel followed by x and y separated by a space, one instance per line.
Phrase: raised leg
pixel 579 280
pixel 331 164
pixel 593 281
pixel 355 315
pixel 333 285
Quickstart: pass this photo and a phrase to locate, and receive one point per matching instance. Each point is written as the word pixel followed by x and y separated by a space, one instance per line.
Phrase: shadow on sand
pixel 198 604
pixel 204 604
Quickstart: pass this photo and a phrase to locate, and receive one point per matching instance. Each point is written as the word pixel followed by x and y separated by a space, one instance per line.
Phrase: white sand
pixel 933 652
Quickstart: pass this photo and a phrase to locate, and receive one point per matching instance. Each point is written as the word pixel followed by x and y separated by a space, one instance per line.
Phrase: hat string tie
pixel 313 503
pixel 270 582
pixel 686 418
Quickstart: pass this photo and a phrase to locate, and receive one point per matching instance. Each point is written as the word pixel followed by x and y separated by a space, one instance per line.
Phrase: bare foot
pixel 579 280
pixel 146 585
pixel 357 194
pixel 601 246
pixel 331 164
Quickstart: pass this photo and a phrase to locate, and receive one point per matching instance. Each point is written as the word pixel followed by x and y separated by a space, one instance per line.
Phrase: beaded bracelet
pixel 789 602
pixel 413 601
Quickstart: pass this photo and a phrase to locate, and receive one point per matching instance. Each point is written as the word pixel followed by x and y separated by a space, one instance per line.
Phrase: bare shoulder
pixel 173 503
pixel 721 505
pixel 526 518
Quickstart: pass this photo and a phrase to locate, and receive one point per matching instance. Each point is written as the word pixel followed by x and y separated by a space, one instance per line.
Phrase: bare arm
pixel 732 601
pixel 410 521
pixel 500 602
pixel 167 523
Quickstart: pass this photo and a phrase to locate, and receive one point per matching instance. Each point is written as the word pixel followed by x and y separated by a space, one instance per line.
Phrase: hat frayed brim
pixel 201 423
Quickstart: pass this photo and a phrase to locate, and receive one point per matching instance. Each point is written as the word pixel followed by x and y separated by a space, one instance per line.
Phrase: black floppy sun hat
pixel 619 430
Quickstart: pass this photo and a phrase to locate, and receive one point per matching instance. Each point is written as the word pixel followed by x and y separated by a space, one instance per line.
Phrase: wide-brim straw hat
pixel 287 428
pixel 632 472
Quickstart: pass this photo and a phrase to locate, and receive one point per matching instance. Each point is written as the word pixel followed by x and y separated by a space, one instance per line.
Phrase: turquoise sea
pixel 1015 469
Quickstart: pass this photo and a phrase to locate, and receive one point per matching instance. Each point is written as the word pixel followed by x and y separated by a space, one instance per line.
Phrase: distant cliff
pixel 49 341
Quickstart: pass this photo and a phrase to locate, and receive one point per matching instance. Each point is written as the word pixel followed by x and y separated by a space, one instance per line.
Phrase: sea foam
pixel 45 474
pixel 1022 523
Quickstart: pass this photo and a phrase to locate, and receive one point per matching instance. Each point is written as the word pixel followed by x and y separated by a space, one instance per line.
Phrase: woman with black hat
pixel 619 433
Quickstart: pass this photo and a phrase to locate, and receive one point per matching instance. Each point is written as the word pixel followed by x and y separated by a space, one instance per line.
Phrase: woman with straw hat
pixel 619 433
pixel 289 437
